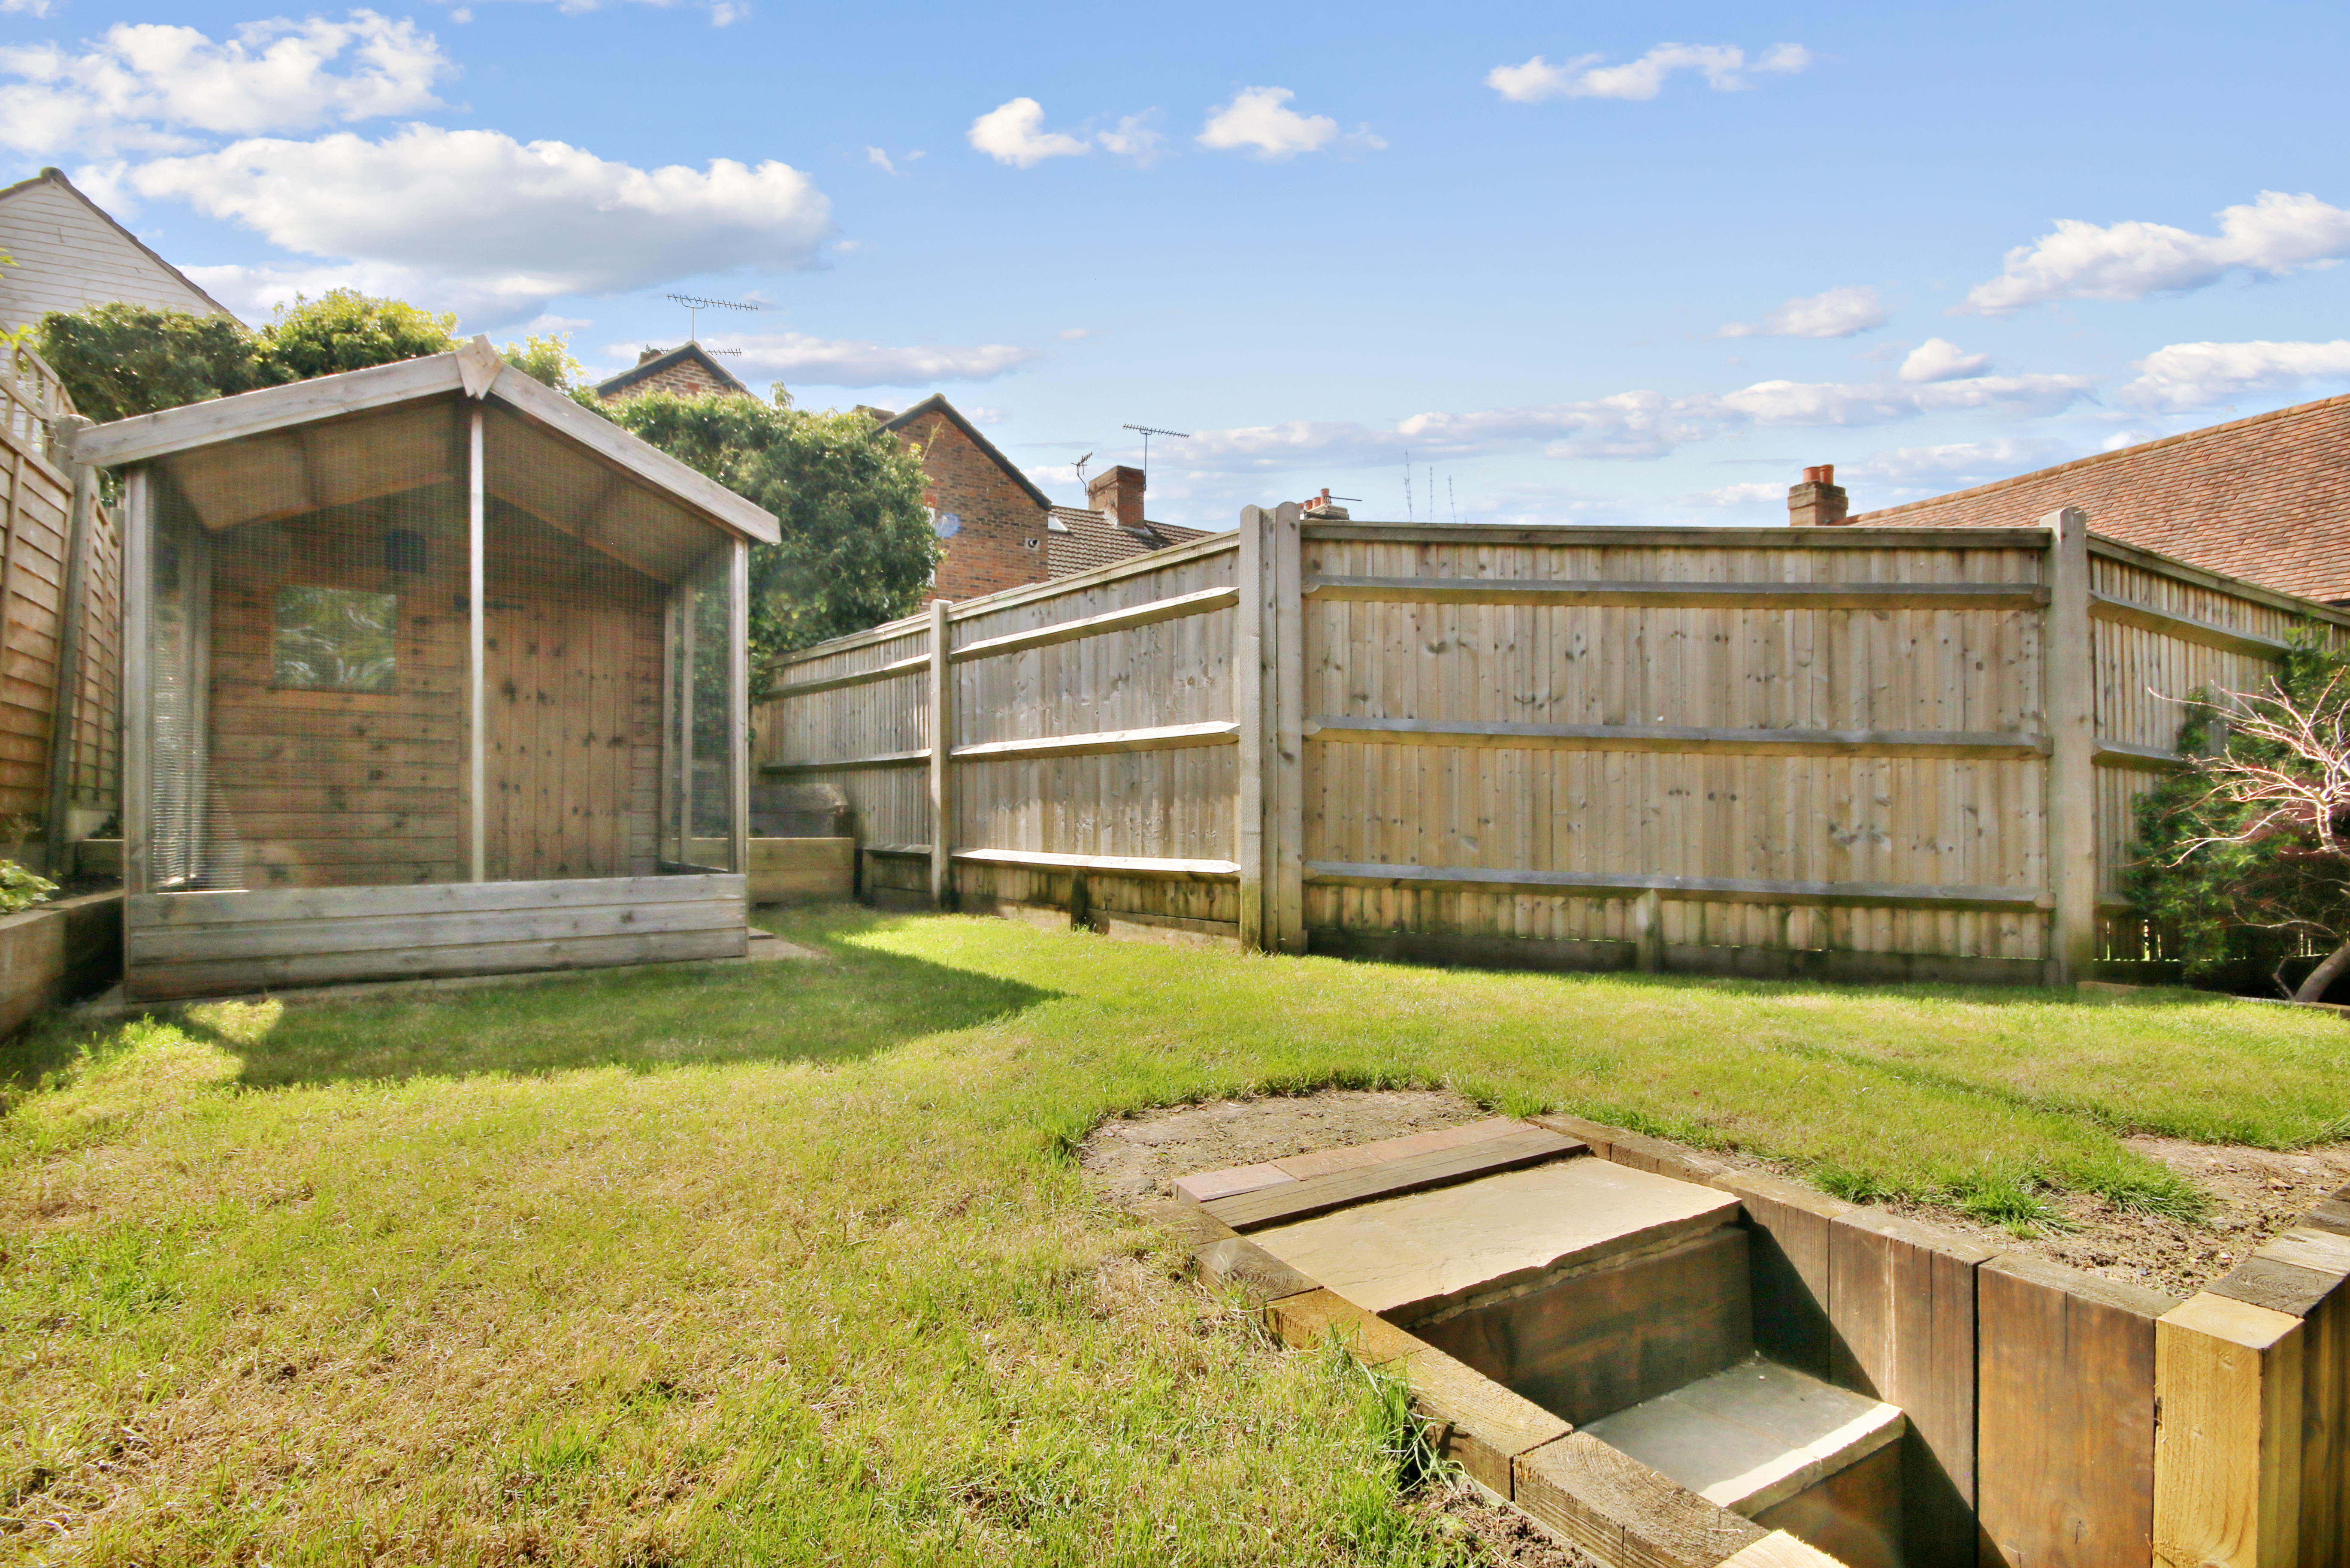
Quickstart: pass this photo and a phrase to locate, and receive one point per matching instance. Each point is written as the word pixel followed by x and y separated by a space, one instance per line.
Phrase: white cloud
pixel 1724 66
pixel 1972 461
pixel 2188 375
pixel 477 221
pixel 1634 425
pixel 1014 133
pixel 2274 235
pixel 726 13
pixel 145 86
pixel 24 7
pixel 879 159
pixel 1837 313
pixel 1075 334
pixel 1260 122
pixel 798 360
pixel 1739 495
pixel 1940 360
pixel 1133 137
pixel 983 414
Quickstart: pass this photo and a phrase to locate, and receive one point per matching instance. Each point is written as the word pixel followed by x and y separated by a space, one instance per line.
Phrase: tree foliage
pixel 858 546
pixel 547 360
pixel 2245 857
pixel 118 360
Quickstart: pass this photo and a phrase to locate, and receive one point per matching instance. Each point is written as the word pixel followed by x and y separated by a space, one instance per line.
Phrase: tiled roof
pixel 2266 499
pixel 1092 540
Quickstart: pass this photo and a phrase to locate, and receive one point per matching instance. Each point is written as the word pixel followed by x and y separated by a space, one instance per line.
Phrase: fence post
pixel 72 614
pixel 2069 677
pixel 1649 932
pixel 1287 893
pixel 138 783
pixel 2228 1444
pixel 942 761
pixel 1248 715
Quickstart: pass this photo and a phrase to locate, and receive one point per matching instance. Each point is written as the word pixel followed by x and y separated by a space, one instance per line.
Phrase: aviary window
pixel 337 640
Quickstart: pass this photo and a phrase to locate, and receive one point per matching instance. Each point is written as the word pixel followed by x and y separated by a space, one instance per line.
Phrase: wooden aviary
pixel 1849 753
pixel 430 671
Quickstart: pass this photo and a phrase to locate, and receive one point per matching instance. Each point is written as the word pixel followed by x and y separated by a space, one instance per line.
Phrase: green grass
pixel 784 1262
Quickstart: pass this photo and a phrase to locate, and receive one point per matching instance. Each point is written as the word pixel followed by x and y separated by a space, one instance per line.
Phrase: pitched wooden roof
pixel 2266 499
pixel 475 371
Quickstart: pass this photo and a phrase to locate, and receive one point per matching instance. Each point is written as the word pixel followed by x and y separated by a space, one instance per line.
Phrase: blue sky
pixel 1594 264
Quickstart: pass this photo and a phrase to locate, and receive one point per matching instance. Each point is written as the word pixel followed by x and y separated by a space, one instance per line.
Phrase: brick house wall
pixel 685 378
pixel 998 526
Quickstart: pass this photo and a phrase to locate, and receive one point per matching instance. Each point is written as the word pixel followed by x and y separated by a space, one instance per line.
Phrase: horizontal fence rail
pixel 1918 749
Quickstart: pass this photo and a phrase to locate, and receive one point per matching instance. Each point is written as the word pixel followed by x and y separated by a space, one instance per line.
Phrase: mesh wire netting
pixel 310 637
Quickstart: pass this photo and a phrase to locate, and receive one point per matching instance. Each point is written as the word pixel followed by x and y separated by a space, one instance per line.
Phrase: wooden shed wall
pixel 1751 751
pixel 326 788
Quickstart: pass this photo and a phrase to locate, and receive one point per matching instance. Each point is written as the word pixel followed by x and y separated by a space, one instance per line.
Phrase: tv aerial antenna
pixel 1147 432
pixel 695 305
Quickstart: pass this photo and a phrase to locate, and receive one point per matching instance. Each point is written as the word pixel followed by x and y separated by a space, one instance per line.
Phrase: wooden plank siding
pixel 204 944
pixel 35 498
pixel 1829 750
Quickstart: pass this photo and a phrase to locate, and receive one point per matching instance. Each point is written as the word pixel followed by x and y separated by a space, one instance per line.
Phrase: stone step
pixel 1754 1435
pixel 1413 1256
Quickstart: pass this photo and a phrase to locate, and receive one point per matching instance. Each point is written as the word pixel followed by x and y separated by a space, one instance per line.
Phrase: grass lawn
pixel 786 1262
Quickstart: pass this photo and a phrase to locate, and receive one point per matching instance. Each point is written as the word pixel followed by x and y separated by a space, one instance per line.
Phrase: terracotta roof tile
pixel 1092 540
pixel 2266 499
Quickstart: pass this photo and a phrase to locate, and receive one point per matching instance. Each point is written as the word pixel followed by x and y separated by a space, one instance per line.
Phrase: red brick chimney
pixel 1819 502
pixel 1119 492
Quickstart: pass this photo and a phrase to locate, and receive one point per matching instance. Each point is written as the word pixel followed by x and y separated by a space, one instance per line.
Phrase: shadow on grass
pixel 848 1004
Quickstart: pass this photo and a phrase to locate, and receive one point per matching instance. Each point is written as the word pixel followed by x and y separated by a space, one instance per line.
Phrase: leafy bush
pixel 118 360
pixel 547 358
pixel 20 889
pixel 857 546
pixel 2237 885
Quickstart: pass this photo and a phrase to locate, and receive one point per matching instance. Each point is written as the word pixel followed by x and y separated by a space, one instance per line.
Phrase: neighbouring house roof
pixel 1081 539
pixel 653 365
pixel 936 404
pixel 70 252
pixel 2266 499
pixel 281 413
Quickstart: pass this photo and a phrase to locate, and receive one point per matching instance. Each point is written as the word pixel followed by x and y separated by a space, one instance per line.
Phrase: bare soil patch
pixel 1496 1534
pixel 2255 1193
pixel 1137 1156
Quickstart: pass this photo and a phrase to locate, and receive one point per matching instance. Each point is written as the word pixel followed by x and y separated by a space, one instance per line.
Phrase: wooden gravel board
pixel 2278 1286
pixel 1902 1301
pixel 1621 1510
pixel 1596 1343
pixel 2064 1459
pixel 1788 1261
pixel 1311 1319
pixel 1476 1423
pixel 2325 1432
pixel 1855 1516
pixel 2227 1463
pixel 1242 1265
pixel 1303 1200
pixel 2333 1215
pixel 1191 1226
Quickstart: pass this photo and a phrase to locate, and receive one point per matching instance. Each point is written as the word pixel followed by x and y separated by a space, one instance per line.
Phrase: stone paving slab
pixel 1752 1435
pixel 1413 1254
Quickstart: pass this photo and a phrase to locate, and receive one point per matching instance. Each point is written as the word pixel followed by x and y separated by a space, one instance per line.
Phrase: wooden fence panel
pixel 1750 751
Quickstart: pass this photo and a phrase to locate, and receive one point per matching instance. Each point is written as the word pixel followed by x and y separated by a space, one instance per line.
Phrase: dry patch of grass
pixel 784 1262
